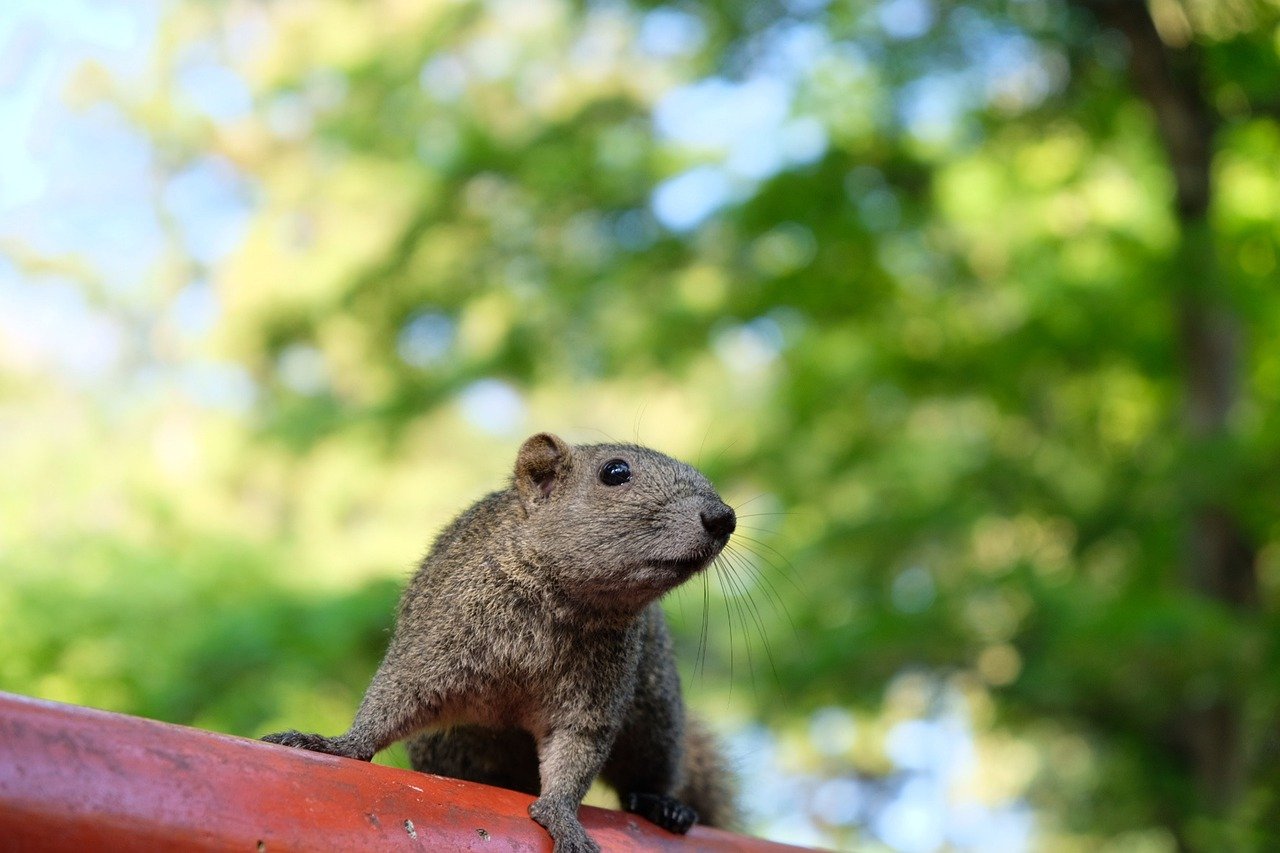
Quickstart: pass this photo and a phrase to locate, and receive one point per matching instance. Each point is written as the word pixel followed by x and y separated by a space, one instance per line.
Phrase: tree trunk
pixel 1221 560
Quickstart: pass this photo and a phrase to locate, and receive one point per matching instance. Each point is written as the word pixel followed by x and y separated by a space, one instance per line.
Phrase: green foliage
pixel 938 363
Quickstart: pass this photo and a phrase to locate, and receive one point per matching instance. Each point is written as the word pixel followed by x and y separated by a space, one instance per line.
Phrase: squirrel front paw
pixel 563 825
pixel 577 842
pixel 313 743
pixel 298 740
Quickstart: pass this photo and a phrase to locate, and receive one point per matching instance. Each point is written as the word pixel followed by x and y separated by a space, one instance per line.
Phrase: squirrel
pixel 530 650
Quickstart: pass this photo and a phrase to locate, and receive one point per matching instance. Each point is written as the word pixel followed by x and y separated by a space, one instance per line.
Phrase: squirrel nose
pixel 720 521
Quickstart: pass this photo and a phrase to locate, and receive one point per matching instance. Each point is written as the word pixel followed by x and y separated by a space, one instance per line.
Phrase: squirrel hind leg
pixel 667 812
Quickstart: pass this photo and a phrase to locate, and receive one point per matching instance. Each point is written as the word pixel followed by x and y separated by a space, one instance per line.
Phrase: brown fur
pixel 531 648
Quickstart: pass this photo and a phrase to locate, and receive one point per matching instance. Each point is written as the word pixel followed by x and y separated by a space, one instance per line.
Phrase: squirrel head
pixel 617 523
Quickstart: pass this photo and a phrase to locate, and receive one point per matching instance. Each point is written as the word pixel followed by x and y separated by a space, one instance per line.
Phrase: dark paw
pixel 301 740
pixel 667 812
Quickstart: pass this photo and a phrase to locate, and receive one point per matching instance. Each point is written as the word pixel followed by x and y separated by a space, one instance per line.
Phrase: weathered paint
pixel 75 778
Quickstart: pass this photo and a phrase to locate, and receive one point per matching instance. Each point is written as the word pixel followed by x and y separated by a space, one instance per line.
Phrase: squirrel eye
pixel 615 472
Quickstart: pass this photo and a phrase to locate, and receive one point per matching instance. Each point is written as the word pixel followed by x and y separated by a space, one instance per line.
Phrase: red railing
pixel 74 778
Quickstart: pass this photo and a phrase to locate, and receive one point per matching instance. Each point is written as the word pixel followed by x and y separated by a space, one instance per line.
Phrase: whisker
pixel 744 611
pixel 635 425
pixel 759 619
pixel 723 451
pixel 729 618
pixel 760 543
pixel 778 514
pixel 702 638
pixel 763 551
pixel 752 615
pixel 701 445
pixel 749 500
pixel 772 595
pixel 756 529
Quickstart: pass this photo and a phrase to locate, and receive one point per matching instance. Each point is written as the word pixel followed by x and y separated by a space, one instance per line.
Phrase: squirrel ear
pixel 541 460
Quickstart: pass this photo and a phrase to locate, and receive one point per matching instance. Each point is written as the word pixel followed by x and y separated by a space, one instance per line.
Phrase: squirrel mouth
pixel 687 566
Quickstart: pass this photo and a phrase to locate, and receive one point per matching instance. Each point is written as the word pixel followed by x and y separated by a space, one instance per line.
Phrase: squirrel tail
pixel 708 783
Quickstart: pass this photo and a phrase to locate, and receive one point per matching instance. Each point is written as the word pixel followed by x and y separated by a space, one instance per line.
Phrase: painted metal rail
pixel 75 778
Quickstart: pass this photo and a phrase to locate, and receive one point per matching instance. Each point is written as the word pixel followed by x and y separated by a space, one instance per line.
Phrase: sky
pixel 75 181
